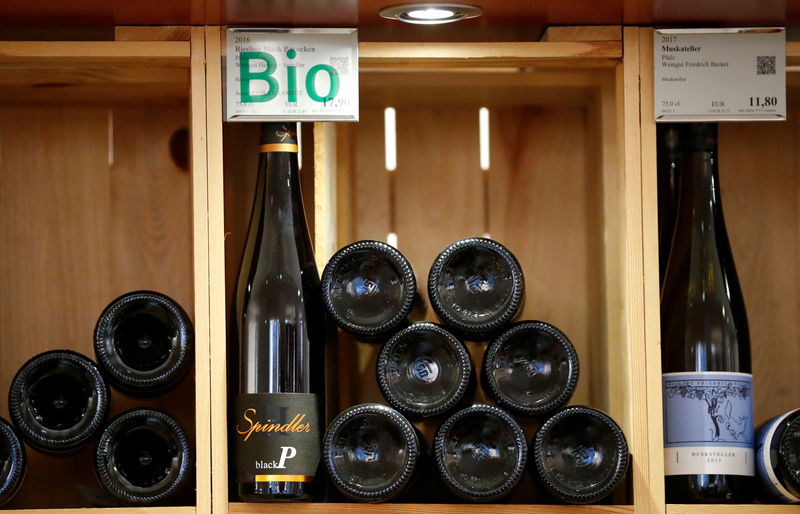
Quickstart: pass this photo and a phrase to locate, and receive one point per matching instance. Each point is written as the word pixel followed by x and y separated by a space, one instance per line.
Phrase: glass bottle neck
pixel 701 186
pixel 279 184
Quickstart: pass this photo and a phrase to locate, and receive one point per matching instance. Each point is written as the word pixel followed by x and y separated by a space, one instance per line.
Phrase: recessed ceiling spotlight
pixel 431 14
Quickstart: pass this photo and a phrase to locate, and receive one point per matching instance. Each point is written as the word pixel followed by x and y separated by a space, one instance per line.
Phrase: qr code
pixel 341 64
pixel 765 65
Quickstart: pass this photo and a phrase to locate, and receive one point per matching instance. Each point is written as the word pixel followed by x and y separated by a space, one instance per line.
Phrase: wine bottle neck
pixel 700 188
pixel 282 208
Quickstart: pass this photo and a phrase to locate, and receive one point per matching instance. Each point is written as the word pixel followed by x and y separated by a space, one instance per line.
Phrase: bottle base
pixel 258 492
pixel 714 489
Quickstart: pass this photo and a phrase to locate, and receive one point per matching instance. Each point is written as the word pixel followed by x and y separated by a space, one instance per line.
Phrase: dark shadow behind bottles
pixel 58 401
pixel 476 286
pixel 704 330
pixel 580 455
pixel 144 458
pixel 425 371
pixel 530 369
pixel 369 289
pixel 13 462
pixel 278 328
pixel 144 343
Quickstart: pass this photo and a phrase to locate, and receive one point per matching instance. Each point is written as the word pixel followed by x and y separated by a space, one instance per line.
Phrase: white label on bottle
pixel 705 460
pixel 708 423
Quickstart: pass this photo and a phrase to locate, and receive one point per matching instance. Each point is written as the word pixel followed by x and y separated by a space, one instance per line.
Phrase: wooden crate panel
pixel 91 207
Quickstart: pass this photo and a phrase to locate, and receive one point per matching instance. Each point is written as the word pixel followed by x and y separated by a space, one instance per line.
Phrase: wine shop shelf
pixel 111 510
pixel 417 508
pixel 106 111
pixel 738 509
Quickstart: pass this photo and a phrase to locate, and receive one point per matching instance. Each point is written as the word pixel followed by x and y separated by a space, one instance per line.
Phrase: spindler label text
pixel 250 426
pixel 276 437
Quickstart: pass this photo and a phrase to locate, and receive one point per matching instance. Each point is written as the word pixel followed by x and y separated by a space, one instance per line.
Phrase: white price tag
pixel 735 74
pixel 291 75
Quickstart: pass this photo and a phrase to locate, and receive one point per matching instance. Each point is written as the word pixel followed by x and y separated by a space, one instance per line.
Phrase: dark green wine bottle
pixel 670 158
pixel 279 325
pixel 707 385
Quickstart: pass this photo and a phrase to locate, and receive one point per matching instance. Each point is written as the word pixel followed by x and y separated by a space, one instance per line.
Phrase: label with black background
pixel 276 437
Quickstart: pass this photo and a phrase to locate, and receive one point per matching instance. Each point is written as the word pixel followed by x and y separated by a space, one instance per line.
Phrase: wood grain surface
pixel 199 181
pixel 653 495
pixel 544 200
pixel 410 508
pixel 84 53
pixel 760 181
pixel 437 55
pixel 91 207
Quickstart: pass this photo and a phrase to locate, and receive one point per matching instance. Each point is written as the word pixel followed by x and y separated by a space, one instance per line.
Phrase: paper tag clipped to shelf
pixel 291 75
pixel 731 74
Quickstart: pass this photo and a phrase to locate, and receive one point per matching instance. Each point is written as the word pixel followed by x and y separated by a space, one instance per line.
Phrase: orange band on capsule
pixel 277 147
pixel 284 478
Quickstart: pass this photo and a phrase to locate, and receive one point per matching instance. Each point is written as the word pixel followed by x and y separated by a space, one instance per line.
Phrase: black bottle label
pixel 276 437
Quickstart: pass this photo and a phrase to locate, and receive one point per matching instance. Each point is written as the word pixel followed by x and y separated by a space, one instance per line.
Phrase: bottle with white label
pixel 707 385
pixel 778 458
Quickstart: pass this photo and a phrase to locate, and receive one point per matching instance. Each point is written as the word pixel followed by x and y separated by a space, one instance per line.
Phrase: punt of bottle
pixel 58 401
pixel 369 288
pixel 531 368
pixel 580 454
pixel 13 462
pixel 476 286
pixel 144 343
pixel 424 370
pixel 144 457
pixel 371 452
pixel 481 453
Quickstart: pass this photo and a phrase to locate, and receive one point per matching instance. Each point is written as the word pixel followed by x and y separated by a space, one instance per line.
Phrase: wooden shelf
pixel 595 54
pixel 111 510
pixel 415 508
pixel 120 214
pixel 91 53
pixel 738 509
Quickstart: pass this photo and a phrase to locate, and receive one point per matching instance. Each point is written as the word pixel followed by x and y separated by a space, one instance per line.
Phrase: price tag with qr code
pixel 291 74
pixel 731 74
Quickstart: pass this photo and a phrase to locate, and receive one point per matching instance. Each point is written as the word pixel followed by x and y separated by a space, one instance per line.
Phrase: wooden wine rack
pixel 91 206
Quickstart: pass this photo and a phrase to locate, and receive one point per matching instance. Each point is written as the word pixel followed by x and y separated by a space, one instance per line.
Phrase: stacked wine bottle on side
pixel 373 452
pixel 59 402
pixel 710 454
pixel 424 371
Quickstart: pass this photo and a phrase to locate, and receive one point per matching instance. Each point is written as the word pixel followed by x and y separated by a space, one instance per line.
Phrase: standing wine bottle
pixel 279 323
pixel 369 288
pixel 669 170
pixel 144 343
pixel 475 287
pixel 707 385
pixel 778 458
pixel 13 463
pixel 58 401
pixel 144 457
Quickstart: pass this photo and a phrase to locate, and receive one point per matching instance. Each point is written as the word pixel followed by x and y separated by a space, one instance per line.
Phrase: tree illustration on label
pixel 728 422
